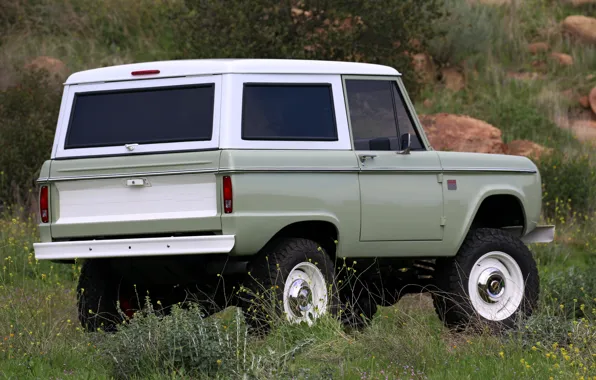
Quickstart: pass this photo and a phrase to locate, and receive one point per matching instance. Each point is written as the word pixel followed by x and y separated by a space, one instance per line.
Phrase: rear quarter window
pixel 141 116
pixel 288 112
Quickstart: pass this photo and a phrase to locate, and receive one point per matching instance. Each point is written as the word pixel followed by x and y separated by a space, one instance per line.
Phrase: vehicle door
pixel 400 191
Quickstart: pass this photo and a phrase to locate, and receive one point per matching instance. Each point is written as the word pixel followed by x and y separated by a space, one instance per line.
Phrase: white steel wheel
pixel 305 295
pixel 496 286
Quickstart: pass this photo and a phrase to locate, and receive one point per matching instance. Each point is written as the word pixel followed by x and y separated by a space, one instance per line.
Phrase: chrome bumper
pixel 84 249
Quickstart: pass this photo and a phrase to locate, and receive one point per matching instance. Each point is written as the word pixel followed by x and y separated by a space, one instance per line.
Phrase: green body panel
pixel 93 174
pixel 402 199
pixel 479 176
pixel 273 189
pixel 392 205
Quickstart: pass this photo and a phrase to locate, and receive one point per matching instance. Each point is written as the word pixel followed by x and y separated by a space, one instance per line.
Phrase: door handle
pixel 363 157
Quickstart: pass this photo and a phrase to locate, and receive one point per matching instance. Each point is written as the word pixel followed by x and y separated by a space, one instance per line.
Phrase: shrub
pixel 28 115
pixel 182 341
pixel 324 29
pixel 569 184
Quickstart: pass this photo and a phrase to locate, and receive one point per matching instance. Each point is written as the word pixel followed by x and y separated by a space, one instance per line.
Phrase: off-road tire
pixel 97 296
pixel 262 298
pixel 452 300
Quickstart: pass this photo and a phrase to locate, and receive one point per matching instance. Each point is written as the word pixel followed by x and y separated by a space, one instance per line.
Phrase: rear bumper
pixel 84 249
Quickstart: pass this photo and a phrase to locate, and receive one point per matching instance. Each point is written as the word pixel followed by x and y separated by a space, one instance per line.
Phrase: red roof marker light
pixel 145 72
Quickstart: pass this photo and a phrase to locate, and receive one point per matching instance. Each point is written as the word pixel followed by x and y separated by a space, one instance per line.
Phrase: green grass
pixel 40 336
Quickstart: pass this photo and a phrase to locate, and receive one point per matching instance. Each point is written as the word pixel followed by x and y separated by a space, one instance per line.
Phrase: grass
pixel 39 332
pixel 40 336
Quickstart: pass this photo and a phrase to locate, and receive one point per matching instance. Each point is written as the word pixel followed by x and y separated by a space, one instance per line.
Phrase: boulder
pixel 592 99
pixel 453 79
pixel 538 47
pixel 583 27
pixel 424 66
pixel 428 103
pixel 462 133
pixel 527 148
pixel 53 65
pixel 584 130
pixel 562 59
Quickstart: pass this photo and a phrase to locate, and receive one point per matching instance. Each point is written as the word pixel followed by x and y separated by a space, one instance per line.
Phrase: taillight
pixel 227 194
pixel 43 205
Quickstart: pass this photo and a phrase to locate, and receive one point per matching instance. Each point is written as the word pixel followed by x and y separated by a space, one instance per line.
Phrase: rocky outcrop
pixel 453 79
pixel 424 67
pixel 582 27
pixel 584 130
pixel 592 99
pixel 527 148
pixel 562 59
pixel 462 134
pixel 53 66
pixel 538 47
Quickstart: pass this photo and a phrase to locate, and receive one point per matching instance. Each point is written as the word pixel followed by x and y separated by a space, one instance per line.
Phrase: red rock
pixel 462 133
pixel 53 65
pixel 584 130
pixel 527 148
pixel 584 101
pixel 538 47
pixel 563 59
pixel 592 99
pixel 583 27
pixel 453 79
pixel 424 66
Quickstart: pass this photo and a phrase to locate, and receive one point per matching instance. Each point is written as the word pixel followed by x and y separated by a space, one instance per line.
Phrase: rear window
pixel 142 116
pixel 288 112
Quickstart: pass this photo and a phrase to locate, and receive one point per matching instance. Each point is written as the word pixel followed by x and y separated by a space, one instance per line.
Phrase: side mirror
pixel 405 143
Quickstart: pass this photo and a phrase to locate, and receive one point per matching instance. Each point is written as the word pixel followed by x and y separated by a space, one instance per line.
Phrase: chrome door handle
pixel 363 157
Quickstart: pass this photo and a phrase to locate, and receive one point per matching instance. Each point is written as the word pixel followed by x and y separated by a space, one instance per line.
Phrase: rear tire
pixel 292 279
pixel 97 295
pixel 493 280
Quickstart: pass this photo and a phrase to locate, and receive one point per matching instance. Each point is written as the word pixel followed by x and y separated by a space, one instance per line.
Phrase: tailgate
pixel 168 193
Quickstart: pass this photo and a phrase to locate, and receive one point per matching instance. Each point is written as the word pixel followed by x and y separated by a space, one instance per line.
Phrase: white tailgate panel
pixel 111 200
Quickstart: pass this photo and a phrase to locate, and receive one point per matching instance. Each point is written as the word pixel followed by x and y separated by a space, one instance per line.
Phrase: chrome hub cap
pixel 491 285
pixel 305 294
pixel 300 298
pixel 496 286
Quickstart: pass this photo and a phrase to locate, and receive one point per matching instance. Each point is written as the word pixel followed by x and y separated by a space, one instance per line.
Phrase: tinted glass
pixel 378 115
pixel 142 116
pixel 288 112
pixel 404 121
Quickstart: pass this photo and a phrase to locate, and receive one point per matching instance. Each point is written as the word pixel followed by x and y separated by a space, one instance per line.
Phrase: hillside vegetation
pixel 512 64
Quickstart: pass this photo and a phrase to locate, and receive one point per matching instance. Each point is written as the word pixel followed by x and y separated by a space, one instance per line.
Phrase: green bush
pixel 323 29
pixel 569 184
pixel 28 115
pixel 182 341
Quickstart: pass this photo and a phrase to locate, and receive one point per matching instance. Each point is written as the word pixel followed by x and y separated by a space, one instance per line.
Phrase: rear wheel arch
pixel 323 232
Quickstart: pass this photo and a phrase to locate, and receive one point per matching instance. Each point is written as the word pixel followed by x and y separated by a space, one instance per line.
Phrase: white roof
pixel 227 66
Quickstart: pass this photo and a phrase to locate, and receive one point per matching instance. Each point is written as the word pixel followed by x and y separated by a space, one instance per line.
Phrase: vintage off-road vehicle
pixel 207 177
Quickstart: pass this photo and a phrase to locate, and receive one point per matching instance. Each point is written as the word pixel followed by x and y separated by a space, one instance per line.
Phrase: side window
pixel 378 115
pixel 286 112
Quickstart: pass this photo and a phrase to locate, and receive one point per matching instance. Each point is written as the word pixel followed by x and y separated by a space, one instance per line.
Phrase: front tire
pixel 493 280
pixel 298 274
